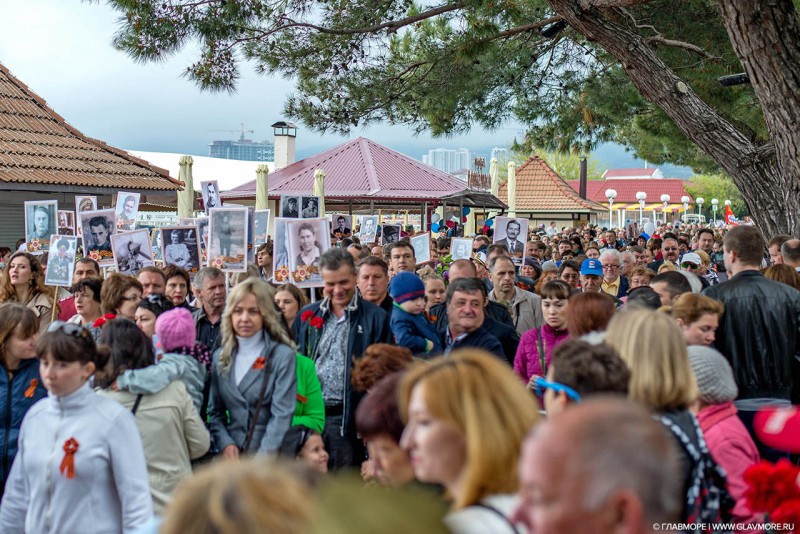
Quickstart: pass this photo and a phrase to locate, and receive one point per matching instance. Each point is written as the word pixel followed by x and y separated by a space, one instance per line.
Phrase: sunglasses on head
pixel 71 329
pixel 542 385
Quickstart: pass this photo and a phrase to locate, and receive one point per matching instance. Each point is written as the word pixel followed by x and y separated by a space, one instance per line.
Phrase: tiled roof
pixel 539 188
pixel 359 168
pixel 625 173
pixel 627 189
pixel 38 146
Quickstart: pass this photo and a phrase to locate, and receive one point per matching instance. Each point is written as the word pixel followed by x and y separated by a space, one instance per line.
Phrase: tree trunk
pixel 770 189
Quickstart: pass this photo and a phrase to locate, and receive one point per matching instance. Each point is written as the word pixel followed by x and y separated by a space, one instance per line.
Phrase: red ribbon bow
pixel 67 467
pixel 103 320
pixel 31 388
pixel 259 363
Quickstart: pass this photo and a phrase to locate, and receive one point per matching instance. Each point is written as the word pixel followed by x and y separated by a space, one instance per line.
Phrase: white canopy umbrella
pixel 186 197
pixel 319 189
pixel 262 187
pixel 512 189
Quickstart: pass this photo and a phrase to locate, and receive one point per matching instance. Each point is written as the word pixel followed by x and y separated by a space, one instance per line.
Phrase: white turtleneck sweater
pixel 110 491
pixel 250 349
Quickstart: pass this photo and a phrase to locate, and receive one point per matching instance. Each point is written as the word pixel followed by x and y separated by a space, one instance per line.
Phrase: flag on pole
pixel 729 218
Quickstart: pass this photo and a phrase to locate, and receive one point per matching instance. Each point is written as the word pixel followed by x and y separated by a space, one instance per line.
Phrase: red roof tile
pixel 359 168
pixel 627 189
pixel 539 188
pixel 38 146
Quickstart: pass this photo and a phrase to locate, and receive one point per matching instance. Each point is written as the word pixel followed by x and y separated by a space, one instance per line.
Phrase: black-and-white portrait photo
pixel 310 207
pixel 308 240
pixel 40 224
pixel 422 247
pixel 369 229
pixel 127 210
pixel 61 260
pixel 290 206
pixel 155 245
pixel 341 225
pixel 260 227
pixel 390 233
pixel 461 248
pixel 280 253
pixel 228 239
pixel 210 195
pixel 132 251
pixel 98 226
pixel 512 232
pixel 66 222
pixel 83 203
pixel 202 231
pixel 181 247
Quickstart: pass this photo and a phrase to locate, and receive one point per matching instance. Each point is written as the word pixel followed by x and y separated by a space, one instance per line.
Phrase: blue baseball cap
pixel 592 266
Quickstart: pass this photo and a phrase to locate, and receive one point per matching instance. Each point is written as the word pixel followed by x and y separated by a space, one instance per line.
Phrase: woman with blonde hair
pixel 253 376
pixel 698 316
pixel 24 283
pixel 253 496
pixel 662 380
pixel 466 416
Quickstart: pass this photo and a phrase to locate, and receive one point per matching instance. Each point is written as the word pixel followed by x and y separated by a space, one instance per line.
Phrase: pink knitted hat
pixel 175 328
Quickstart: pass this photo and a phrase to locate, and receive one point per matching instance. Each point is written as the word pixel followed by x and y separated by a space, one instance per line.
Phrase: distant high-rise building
pixel 500 153
pixel 448 160
pixel 243 149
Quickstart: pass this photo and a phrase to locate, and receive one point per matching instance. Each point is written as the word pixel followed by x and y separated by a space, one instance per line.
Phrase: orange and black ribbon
pixel 31 389
pixel 67 467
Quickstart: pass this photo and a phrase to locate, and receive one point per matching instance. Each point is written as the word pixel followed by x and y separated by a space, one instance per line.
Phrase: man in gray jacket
pixel 525 307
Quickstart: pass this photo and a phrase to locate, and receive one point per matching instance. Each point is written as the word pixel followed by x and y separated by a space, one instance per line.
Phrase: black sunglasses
pixel 71 329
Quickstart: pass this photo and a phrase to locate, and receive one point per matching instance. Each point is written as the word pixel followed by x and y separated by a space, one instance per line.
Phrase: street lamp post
pixel 611 194
pixel 665 200
pixel 685 201
pixel 641 196
pixel 700 201
pixel 714 203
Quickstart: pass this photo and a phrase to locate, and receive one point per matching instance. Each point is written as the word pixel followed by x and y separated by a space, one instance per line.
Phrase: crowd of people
pixel 609 383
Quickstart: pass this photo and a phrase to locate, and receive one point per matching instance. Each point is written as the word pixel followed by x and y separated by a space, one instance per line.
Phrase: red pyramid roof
pixel 540 188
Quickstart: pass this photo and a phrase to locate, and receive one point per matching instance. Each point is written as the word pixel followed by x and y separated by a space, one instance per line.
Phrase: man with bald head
pixel 790 250
pixel 602 466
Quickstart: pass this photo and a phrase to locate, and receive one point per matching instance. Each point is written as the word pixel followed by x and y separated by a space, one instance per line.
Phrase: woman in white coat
pixel 80 465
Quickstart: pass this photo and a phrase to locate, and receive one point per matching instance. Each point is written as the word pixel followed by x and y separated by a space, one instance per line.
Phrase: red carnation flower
pixel 771 485
pixel 317 322
pixel 788 512
pixel 306 315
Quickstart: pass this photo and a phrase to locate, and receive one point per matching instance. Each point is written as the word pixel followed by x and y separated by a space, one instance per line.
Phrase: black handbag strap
pixel 136 403
pixel 254 422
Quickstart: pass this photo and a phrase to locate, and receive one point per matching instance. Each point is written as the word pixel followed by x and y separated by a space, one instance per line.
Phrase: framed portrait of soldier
pixel 83 203
pixel 461 248
pixel 211 198
pixel 132 251
pixel 422 247
pixel 97 227
pixel 40 224
pixel 309 207
pixel 155 246
pixel 66 222
pixel 202 231
pixel 308 240
pixel 512 232
pixel 227 248
pixel 341 225
pixel 369 229
pixel 290 206
pixel 390 233
pixel 180 246
pixel 260 227
pixel 61 260
pixel 127 208
pixel 280 252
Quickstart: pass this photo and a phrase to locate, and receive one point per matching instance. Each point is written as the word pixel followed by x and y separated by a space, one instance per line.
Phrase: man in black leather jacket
pixel 759 332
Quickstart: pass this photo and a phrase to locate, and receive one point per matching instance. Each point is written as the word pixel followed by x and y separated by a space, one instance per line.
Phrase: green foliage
pixel 443 68
pixel 717 186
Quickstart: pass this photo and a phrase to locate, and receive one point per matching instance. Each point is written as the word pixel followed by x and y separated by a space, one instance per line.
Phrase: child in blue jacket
pixel 409 325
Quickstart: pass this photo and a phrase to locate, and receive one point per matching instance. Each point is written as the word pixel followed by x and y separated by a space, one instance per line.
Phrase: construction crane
pixel 241 131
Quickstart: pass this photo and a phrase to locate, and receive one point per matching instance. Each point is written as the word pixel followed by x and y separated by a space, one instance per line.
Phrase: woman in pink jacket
pixel 727 438
pixel 536 346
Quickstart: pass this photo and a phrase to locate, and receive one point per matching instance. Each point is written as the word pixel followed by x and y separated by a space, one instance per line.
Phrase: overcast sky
pixel 62 50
